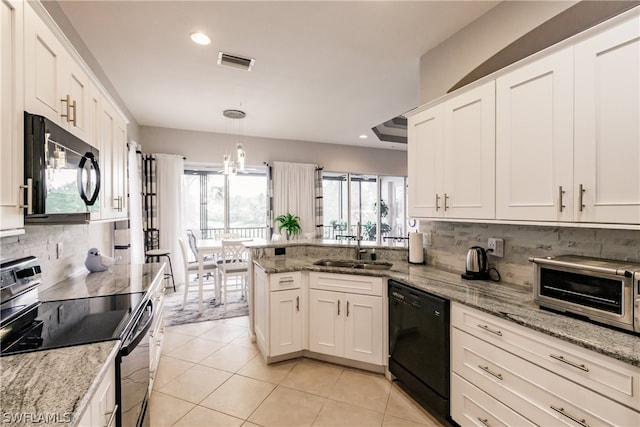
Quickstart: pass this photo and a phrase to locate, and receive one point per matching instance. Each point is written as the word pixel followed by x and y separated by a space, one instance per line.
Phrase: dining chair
pixel 193 245
pixel 233 269
pixel 210 268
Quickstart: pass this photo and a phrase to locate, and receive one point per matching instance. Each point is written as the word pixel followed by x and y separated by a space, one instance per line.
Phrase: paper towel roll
pixel 416 253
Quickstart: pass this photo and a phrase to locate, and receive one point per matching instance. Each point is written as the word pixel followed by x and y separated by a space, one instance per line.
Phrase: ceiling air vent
pixel 235 61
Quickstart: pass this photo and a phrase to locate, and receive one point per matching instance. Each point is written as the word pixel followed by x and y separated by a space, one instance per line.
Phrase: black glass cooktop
pixel 63 323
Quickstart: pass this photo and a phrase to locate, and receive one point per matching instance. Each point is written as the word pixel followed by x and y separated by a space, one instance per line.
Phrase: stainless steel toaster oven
pixel 600 290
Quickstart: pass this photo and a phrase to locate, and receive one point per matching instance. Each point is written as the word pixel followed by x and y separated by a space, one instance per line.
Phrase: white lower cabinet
pixel 346 324
pixel 279 312
pixel 286 322
pixel 101 408
pixel 338 315
pixel 504 361
pixel 472 406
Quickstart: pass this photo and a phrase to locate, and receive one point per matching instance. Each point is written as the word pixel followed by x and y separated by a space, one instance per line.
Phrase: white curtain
pixel 294 193
pixel 169 172
pixel 136 234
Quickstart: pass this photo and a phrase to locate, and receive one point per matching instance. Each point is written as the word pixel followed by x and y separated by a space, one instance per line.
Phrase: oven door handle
pixel 130 344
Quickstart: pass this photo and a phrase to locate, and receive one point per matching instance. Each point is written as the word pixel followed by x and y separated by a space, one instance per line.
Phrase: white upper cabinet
pixel 607 125
pixel 469 154
pixel 11 116
pixel 56 86
pixel 451 156
pixel 555 140
pixel 113 160
pixel 534 140
pixel 424 132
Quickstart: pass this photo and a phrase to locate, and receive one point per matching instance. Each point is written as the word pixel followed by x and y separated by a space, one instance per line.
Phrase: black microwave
pixel 62 174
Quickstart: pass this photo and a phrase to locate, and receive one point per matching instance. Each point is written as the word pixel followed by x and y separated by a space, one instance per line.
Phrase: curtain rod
pixel 318 168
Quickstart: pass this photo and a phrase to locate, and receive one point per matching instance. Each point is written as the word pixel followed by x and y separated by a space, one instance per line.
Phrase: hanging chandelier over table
pixel 232 165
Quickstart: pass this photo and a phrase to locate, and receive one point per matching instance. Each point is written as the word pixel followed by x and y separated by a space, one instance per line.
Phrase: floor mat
pixel 174 314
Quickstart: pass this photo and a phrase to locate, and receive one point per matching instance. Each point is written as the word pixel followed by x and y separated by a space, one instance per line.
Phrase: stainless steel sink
pixel 374 265
pixel 363 265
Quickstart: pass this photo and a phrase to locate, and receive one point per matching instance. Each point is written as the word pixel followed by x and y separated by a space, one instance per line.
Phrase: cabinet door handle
pixel 445 202
pixel 488 329
pixel 437 202
pixel 484 421
pixel 29 187
pixel 286 279
pixel 297 303
pixel 75 113
pixel 560 194
pixel 112 417
pixel 490 372
pixel 569 362
pixel 561 411
pixel 67 102
pixel 338 307
pixel 347 308
pixel 581 191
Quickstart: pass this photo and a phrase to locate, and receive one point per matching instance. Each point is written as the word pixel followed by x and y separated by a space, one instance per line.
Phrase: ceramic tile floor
pixel 211 375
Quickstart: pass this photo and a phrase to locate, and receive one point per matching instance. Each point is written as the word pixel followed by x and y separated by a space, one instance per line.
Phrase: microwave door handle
pixel 81 188
pixel 96 167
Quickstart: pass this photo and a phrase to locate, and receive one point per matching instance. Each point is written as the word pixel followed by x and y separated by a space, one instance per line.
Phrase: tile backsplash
pixel 42 240
pixel 450 242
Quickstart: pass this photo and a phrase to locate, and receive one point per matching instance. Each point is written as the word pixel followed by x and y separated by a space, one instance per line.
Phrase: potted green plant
pixel 289 222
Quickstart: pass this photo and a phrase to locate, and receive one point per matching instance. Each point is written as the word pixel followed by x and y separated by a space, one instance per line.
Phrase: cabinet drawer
pixel 608 376
pixel 544 397
pixel 472 406
pixel 282 281
pixel 348 283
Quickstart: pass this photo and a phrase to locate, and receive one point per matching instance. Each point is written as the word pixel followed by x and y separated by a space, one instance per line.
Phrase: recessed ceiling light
pixel 363 136
pixel 200 38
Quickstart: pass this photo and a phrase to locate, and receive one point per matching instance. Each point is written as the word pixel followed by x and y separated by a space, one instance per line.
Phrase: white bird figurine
pixel 97 262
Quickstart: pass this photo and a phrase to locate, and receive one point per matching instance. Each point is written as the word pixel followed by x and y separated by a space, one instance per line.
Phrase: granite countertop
pixel 119 279
pixel 507 301
pixel 52 387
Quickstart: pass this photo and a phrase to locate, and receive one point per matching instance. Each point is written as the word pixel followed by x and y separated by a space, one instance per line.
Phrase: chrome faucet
pixel 359 251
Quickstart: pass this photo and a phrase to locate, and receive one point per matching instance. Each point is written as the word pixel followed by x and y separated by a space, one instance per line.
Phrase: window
pixel 216 203
pixel 350 199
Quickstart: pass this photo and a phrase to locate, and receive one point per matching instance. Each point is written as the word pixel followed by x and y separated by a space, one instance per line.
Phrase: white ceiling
pixel 325 71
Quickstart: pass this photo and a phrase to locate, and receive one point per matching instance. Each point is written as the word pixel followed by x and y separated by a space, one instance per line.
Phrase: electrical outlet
pixel 59 250
pixel 496 247
pixel 426 239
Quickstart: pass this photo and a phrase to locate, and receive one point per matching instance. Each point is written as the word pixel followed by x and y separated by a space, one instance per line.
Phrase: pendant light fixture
pixel 231 164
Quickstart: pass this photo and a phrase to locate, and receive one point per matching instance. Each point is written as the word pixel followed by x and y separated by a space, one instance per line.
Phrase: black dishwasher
pixel 419 346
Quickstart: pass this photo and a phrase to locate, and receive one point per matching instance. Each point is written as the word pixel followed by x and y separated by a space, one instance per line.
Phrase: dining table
pixel 211 247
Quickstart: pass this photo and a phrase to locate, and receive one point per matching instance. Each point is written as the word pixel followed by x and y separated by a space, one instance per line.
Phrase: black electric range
pixel 63 323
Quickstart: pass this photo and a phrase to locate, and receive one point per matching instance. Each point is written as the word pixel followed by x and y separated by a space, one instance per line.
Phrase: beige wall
pixel 447 63
pixel 205 147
